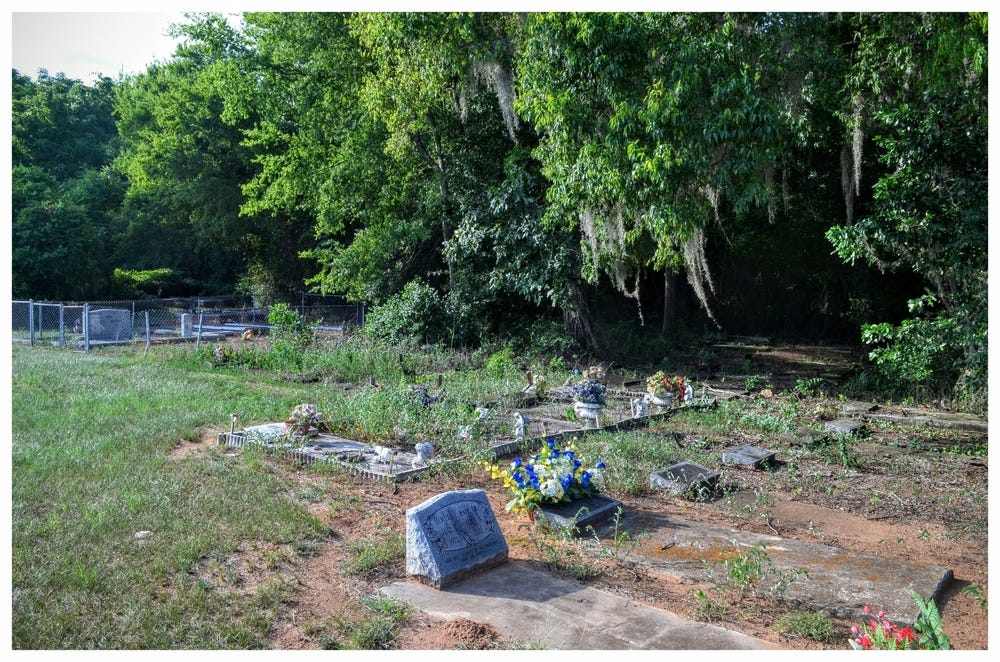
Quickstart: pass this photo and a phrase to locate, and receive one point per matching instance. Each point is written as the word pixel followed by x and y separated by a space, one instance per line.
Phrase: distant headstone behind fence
pixel 451 536
pixel 110 325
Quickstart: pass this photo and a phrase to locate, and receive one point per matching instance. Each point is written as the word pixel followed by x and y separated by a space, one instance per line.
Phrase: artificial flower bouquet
pixel 589 391
pixel 304 420
pixel 660 385
pixel 548 477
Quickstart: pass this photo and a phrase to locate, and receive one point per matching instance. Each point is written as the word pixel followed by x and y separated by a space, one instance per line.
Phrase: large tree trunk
pixel 578 319
pixel 670 282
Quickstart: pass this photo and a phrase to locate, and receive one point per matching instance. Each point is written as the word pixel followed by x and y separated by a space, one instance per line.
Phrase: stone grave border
pixel 238 439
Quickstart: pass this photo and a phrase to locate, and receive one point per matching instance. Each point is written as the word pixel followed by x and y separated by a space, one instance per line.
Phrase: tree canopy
pixel 805 173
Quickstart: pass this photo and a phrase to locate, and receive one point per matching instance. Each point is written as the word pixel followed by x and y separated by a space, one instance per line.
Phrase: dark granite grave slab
pixel 582 513
pixel 750 456
pixel 451 536
pixel 684 478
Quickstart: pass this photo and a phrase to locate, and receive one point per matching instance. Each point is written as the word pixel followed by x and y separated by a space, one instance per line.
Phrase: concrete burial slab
pixel 846 426
pixel 839 581
pixel 541 610
pixel 749 456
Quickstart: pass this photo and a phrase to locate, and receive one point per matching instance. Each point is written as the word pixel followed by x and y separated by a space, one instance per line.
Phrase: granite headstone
pixel 451 536
pixel 110 324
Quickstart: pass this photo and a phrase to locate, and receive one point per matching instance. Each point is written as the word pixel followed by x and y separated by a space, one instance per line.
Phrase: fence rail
pixel 92 324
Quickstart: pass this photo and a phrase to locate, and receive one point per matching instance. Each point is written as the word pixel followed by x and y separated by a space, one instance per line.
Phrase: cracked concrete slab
pixel 541 610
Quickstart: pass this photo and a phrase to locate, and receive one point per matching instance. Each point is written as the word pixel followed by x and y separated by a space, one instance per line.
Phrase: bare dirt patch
pixel 185 448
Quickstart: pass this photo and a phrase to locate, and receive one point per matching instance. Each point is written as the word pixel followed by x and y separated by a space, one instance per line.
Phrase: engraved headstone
pixel 749 456
pixel 451 536
pixel 685 478
pixel 110 324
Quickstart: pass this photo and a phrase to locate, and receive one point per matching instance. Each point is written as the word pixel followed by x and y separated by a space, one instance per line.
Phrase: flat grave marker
pixel 848 426
pixel 685 478
pixel 582 513
pixel 750 456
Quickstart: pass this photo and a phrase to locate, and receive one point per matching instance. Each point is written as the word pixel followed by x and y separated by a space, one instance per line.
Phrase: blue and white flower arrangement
pixel 589 391
pixel 550 476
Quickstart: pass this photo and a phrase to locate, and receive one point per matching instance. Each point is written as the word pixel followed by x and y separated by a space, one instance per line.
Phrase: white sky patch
pixel 87 45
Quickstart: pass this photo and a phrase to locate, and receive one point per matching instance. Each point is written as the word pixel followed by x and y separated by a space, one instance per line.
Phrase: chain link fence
pixel 91 324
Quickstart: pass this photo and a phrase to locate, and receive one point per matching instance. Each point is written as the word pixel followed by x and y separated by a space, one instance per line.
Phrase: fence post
pixel 31 322
pixel 201 320
pixel 145 351
pixel 86 328
pixel 62 327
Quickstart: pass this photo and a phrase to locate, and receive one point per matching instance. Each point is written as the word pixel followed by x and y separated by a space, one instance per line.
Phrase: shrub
pixel 414 316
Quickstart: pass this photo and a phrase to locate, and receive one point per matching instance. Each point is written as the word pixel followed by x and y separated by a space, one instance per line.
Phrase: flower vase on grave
pixel 588 412
pixel 661 399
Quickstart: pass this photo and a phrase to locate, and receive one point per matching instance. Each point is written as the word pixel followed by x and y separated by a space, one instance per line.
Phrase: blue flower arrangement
pixel 552 475
pixel 590 391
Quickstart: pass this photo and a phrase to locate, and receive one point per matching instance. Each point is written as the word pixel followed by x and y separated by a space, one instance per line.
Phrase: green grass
pixel 816 626
pixel 367 556
pixel 90 469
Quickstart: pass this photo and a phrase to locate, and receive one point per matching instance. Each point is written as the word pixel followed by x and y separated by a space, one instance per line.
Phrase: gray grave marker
pixel 750 456
pixel 582 513
pixel 110 324
pixel 848 426
pixel 684 478
pixel 451 536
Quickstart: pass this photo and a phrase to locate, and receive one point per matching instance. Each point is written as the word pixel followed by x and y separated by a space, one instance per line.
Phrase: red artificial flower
pixel 865 641
pixel 906 634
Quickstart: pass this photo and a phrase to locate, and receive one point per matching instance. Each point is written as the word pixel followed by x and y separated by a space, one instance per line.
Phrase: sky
pixel 85 46
pixel 85 40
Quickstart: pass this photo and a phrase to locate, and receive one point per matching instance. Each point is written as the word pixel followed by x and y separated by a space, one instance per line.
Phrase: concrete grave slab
pixel 840 582
pixel 553 613
pixel 855 408
pixel 749 456
pixel 848 426
pixel 941 419
pixel 266 432
pixel 451 536
pixel 684 478
pixel 359 458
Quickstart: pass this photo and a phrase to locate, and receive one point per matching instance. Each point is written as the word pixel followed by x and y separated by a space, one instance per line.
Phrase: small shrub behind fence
pixel 100 323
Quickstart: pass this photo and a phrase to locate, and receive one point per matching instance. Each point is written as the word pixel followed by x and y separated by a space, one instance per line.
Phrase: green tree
pixel 647 123
pixel 395 132
pixel 64 198
pixel 919 85
pixel 186 164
